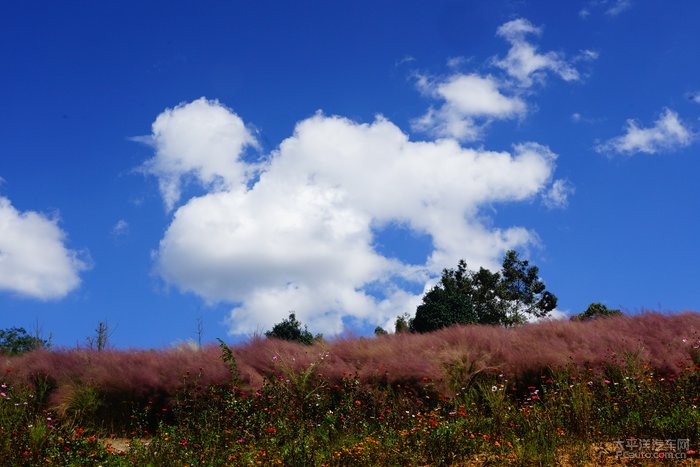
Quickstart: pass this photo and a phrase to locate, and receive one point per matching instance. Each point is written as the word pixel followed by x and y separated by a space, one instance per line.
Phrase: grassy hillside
pixel 541 393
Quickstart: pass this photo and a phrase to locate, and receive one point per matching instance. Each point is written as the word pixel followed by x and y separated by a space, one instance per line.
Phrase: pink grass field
pixel 664 342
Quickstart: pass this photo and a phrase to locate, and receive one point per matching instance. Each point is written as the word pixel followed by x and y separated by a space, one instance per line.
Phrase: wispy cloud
pixel 667 134
pixel 121 228
pixel 523 61
pixel 557 197
pixel 618 7
pixel 610 8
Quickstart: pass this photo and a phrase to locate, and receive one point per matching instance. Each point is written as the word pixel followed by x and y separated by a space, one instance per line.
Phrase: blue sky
pixel 169 163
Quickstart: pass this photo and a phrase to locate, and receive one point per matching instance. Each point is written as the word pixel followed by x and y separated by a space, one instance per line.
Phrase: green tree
pixel 380 331
pixel 402 323
pixel 523 291
pixel 595 311
pixel 290 330
pixel 484 297
pixel 14 341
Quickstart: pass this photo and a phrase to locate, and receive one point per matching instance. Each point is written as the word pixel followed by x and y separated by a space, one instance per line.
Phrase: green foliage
pixel 595 311
pixel 569 414
pixel 290 330
pixel 14 341
pixel 484 297
pixel 230 360
pixel 402 323
pixel 567 417
pixel 380 331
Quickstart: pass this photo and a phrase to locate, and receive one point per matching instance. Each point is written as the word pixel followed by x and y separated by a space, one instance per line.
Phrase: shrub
pixel 594 311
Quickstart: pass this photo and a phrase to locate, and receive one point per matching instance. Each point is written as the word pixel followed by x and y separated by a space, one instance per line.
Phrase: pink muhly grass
pixel 651 339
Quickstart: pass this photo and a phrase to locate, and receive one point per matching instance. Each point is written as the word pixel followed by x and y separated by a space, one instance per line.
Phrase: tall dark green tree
pixel 484 297
pixel 523 292
pixel 290 330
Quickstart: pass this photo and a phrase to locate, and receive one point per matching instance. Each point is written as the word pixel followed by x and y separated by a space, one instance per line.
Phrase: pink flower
pixel 607 381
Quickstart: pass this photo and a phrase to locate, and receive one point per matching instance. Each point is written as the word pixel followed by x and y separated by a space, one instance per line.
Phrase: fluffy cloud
pixel 33 258
pixel 470 103
pixel 302 235
pixel 201 141
pixel 523 62
pixel 668 133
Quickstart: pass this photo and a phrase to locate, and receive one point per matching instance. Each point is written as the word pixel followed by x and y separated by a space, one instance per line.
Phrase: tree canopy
pixel 504 298
pixel 595 311
pixel 290 330
pixel 14 341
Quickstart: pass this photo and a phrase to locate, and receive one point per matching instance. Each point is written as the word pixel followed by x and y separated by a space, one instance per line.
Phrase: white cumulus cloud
pixel 34 260
pixel 301 235
pixel 201 140
pixel 667 134
pixel 470 103
pixel 523 62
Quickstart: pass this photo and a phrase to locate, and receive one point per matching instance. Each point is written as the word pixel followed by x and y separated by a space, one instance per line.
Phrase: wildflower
pixel 494 388
pixel 607 381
